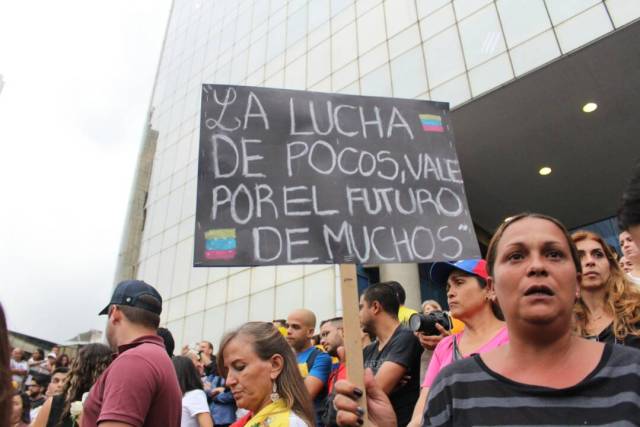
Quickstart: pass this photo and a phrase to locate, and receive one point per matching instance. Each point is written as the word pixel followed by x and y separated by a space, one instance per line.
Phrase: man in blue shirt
pixel 314 364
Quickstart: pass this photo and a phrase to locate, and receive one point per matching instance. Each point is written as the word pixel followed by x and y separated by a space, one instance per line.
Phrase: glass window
pixel 165 273
pixel 561 10
pixel 322 86
pixel 338 6
pixel 535 52
pixel 257 54
pixel 409 76
pixel 438 21
pixel 275 43
pixel 400 14
pixel 344 46
pixel 455 91
pixel 189 200
pixel 239 285
pixel 196 300
pixel 583 28
pixel 345 17
pixel 345 75
pixel 262 278
pixel 319 13
pixel 257 78
pixel 296 51
pixel 623 11
pixel 295 77
pixel 363 6
pixel 216 292
pixel 286 273
pixel 261 306
pixel 170 237
pixel 481 36
pixel 373 59
pixel 319 62
pixel 214 328
pixel 443 56
pixel 465 8
pixel 377 83
pixel 289 297
pixel 151 269
pixel 522 19
pixel 404 41
pixel 193 328
pixel 275 65
pixel 490 74
pixel 276 80
pixel 237 313
pixel 427 7
pixel 260 12
pixel 318 35
pixel 352 89
pixel 176 327
pixel 239 66
pixel 371 29
pixel 297 26
pixel 198 276
pixel 318 284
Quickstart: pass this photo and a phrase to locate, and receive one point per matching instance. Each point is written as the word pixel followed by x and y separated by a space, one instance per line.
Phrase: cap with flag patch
pixel 440 271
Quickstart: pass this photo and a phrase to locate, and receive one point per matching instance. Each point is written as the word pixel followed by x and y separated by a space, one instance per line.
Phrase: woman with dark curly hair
pixel 608 309
pixel 91 361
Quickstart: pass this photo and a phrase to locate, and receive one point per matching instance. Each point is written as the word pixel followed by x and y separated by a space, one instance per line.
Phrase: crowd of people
pixel 544 331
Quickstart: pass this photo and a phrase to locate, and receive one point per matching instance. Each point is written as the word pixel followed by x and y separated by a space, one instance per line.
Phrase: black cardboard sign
pixel 294 177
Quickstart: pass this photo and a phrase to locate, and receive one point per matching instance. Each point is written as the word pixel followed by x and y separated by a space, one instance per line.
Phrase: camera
pixel 426 323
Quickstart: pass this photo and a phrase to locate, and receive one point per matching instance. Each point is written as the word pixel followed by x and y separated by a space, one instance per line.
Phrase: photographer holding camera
pixel 471 301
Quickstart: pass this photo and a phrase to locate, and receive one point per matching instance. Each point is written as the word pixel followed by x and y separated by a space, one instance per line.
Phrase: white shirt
pixel 634 279
pixel 23 365
pixel 194 402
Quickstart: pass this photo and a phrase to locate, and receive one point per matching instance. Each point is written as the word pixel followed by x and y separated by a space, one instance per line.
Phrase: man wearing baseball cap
pixel 140 387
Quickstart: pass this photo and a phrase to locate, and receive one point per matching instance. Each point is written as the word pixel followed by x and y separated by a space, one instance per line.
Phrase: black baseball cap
pixel 129 292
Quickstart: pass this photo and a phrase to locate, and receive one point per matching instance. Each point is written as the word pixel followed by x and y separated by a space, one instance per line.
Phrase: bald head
pixel 306 317
pixel 301 325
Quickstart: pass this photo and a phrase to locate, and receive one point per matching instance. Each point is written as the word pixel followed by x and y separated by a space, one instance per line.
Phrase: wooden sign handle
pixel 351 329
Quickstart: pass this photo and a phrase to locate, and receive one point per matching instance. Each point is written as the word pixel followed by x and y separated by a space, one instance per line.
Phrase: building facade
pixel 454 51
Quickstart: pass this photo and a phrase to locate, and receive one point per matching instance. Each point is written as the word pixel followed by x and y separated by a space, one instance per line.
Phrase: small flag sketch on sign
pixel 431 123
pixel 220 244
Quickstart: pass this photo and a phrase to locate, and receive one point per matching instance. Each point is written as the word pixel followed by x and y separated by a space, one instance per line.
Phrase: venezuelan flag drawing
pixel 220 244
pixel 431 123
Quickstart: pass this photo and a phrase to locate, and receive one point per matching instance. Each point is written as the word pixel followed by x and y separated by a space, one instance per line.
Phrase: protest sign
pixel 294 177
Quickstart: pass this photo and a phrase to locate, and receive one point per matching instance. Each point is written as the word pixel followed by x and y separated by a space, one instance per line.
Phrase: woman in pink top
pixel 473 302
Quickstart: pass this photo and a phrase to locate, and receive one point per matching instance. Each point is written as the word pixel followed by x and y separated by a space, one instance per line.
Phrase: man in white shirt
pixel 19 367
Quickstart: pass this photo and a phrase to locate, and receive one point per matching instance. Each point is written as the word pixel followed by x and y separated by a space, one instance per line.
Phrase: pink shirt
pixel 443 353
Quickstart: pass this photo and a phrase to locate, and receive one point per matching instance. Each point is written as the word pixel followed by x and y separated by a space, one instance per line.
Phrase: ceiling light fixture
pixel 544 171
pixel 589 107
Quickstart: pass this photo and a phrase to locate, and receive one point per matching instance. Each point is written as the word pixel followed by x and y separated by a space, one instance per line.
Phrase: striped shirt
pixel 468 393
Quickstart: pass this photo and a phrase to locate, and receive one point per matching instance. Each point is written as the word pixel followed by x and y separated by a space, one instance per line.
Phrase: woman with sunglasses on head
pixel 545 375
pixel 261 371
pixel 608 309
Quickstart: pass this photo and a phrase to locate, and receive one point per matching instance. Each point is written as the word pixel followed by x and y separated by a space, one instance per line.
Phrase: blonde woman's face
pixel 595 265
pixel 249 377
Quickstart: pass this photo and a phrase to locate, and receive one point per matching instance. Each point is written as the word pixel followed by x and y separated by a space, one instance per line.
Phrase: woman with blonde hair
pixel 262 373
pixel 91 361
pixel 608 308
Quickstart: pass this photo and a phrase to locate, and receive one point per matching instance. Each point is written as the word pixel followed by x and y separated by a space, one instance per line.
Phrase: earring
pixel 274 393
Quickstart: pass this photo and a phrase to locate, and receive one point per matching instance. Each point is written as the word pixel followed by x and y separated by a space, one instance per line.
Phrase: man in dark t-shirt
pixel 395 353
pixel 140 387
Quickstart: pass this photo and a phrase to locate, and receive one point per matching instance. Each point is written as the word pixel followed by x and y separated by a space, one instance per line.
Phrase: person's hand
pixel 216 391
pixel 379 409
pixel 429 342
